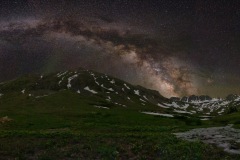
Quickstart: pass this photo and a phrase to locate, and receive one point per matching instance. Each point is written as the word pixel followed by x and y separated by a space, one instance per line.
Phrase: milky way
pixel 157 50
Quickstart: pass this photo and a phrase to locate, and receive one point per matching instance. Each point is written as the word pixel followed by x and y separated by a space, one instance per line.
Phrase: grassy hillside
pixel 53 122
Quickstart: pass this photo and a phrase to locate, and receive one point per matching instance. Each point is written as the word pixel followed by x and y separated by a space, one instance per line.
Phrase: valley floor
pixel 130 144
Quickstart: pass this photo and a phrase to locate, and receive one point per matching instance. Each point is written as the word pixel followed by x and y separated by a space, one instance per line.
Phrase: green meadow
pixel 66 125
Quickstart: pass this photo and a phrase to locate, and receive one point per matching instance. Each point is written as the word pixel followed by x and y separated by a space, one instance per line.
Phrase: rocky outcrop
pixel 232 97
pixel 175 99
pixel 196 98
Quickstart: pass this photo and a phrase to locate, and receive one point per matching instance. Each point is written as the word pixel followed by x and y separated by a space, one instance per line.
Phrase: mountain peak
pixel 105 91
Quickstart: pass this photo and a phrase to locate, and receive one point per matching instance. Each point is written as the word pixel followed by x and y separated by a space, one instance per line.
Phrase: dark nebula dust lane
pixel 177 48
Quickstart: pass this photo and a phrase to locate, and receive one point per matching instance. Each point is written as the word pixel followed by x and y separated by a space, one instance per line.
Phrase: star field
pixel 176 47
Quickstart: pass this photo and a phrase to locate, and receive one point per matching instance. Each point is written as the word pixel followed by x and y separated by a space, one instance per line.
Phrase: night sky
pixel 179 48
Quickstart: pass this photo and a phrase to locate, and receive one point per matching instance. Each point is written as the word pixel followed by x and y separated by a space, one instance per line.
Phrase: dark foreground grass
pixel 66 145
pixel 67 126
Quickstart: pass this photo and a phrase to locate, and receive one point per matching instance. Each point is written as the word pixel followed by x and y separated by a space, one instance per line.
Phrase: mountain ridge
pixel 112 92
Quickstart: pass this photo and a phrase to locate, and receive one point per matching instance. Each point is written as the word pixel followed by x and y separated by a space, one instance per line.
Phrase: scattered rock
pixel 224 137
pixel 5 119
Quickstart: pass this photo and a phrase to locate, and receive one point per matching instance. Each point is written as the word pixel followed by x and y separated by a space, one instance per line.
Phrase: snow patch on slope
pixel 126 86
pixel 101 107
pixel 137 92
pixel 88 89
pixel 61 74
pixel 23 91
pixel 160 105
pixel 158 114
pixel 70 79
